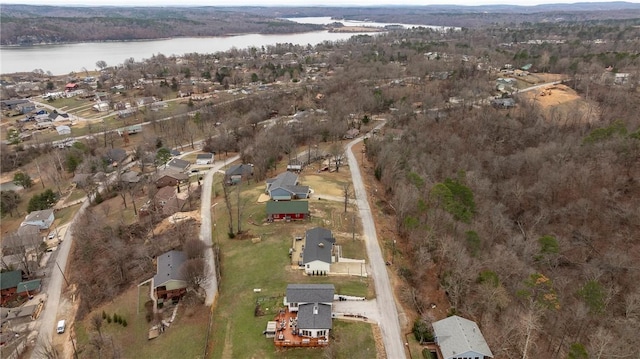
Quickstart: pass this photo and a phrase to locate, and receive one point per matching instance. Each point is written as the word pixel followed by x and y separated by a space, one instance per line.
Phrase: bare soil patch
pixel 562 105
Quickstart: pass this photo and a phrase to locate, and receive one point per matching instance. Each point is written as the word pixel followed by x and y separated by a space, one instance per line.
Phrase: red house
pixel 71 86
pixel 287 210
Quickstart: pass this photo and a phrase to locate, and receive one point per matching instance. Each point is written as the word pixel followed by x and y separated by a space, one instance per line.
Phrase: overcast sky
pixel 290 2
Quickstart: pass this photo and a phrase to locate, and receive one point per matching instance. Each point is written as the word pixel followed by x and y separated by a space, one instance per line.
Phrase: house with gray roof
pixel 317 253
pixel 313 304
pixel 460 338
pixel 284 187
pixel 42 219
pixel 236 173
pixel 170 281
pixel 178 165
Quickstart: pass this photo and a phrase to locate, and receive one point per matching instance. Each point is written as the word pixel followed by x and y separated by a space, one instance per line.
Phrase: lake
pixel 62 59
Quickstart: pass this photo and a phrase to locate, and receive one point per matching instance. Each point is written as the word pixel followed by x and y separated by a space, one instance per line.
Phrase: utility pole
pixel 63 276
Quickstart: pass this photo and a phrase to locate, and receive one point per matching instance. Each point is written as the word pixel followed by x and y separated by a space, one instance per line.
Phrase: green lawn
pixel 265 264
pixel 184 339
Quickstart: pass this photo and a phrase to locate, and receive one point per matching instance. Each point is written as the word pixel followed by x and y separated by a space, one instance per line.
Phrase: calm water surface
pixel 64 58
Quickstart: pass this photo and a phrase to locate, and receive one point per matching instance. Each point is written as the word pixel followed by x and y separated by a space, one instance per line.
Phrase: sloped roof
pixel 275 207
pixel 310 293
pixel 131 177
pixel 30 286
pixel 283 179
pixel 171 172
pixel 204 156
pixel 165 193
pixel 116 154
pixel 456 335
pixel 314 316
pixel 317 246
pixel 39 215
pixel 178 163
pixel 169 267
pixel 10 279
pixel 239 170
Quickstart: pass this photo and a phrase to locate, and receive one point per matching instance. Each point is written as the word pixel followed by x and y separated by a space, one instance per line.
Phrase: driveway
pixel 366 308
pixel 211 286
pixel 389 323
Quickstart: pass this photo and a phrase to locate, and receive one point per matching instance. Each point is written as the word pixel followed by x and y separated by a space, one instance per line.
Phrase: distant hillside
pixel 28 25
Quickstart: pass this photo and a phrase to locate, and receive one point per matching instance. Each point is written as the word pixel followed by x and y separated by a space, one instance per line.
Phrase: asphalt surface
pixel 388 321
pixel 211 286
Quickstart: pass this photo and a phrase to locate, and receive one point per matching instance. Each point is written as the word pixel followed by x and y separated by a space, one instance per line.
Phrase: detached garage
pixel 287 210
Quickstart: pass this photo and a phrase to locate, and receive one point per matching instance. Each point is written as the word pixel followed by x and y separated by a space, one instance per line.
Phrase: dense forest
pixel 29 25
pixel 529 217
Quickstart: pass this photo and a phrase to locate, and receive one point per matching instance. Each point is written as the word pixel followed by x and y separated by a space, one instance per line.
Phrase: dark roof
pixel 130 177
pixel 317 246
pixel 204 156
pixel 276 207
pixel 32 285
pixel 169 267
pixel 314 316
pixel 288 182
pixel 116 154
pixel 178 163
pixel 283 179
pixel 165 193
pixel 14 102
pixel 10 279
pixel 171 172
pixel 239 170
pixel 310 293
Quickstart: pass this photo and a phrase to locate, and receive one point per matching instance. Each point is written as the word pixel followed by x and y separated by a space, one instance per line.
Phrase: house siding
pixel 317 267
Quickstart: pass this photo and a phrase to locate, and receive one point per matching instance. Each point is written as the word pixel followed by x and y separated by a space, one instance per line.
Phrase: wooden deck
pixel 287 336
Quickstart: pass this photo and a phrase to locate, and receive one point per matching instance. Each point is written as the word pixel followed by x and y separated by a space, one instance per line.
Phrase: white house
pixel 318 251
pixel 101 106
pixel 313 303
pixel 204 158
pixel 460 338
pixel 43 219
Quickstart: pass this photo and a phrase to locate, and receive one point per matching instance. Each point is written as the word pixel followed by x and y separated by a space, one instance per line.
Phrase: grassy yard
pixel 184 339
pixel 249 263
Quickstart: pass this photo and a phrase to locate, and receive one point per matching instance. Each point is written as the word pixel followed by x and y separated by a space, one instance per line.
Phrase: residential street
pixel 47 319
pixel 205 227
pixel 389 323
pixel 53 286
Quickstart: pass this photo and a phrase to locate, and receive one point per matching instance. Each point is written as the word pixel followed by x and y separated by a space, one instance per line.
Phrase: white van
pixel 61 326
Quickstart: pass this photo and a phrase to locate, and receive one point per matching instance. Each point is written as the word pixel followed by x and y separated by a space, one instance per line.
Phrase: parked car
pixel 61 326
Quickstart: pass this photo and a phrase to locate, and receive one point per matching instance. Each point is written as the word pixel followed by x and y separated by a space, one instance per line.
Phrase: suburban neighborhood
pixel 413 192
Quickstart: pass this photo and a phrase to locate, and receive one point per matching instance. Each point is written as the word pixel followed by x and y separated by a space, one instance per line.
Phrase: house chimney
pixel 315 309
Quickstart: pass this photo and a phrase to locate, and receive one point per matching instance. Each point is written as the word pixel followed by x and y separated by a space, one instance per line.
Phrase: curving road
pixel 389 323
pixel 211 286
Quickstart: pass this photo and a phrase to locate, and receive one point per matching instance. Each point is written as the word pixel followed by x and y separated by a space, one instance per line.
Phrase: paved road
pixel 47 320
pixel 49 313
pixel 205 228
pixel 389 323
